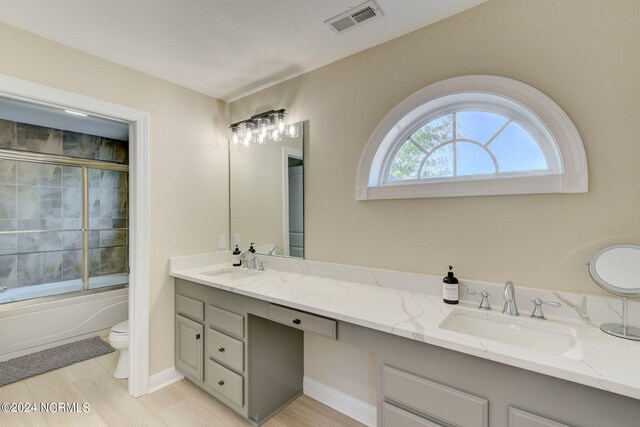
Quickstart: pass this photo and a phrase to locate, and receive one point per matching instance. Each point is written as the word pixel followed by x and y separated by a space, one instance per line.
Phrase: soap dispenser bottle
pixel 235 257
pixel 251 248
pixel 450 288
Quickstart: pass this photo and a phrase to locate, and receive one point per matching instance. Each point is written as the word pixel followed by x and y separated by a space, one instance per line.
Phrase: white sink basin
pixel 541 335
pixel 228 274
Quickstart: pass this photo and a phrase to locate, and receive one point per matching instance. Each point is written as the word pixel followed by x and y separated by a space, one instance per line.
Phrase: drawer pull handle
pixel 221 349
pixel 220 383
pixel 297 321
pixel 197 336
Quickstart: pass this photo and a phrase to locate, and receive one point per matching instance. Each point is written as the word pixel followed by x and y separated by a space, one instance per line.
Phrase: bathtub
pixel 30 323
pixel 57 288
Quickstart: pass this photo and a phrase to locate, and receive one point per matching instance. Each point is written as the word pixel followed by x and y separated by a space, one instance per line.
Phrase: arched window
pixel 473 135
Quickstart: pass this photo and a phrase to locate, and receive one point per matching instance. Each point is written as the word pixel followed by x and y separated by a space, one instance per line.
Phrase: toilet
pixel 119 339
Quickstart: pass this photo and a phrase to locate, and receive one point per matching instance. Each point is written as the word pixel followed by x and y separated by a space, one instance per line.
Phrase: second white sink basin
pixel 541 335
pixel 228 274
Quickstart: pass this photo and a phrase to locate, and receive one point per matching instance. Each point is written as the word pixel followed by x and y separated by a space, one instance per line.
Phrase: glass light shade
pixel 278 121
pixel 293 131
pixel 276 135
pixel 234 135
pixel 263 126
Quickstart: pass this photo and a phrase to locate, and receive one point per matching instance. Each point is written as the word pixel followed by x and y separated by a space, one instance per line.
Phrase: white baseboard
pixel 163 379
pixel 341 402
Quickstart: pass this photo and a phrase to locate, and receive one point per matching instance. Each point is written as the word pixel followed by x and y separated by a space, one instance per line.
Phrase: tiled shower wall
pixel 47 197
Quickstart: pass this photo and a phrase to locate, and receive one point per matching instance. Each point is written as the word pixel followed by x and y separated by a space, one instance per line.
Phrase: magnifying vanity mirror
pixel 616 269
pixel 266 192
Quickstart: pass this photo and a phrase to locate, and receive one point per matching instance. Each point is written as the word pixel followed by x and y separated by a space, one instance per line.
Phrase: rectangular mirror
pixel 266 191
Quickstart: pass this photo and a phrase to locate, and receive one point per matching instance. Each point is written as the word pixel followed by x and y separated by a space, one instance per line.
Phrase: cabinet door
pixel 520 418
pixel 189 347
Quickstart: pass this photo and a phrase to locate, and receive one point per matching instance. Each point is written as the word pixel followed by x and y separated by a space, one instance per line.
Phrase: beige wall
pixel 188 157
pixel 584 54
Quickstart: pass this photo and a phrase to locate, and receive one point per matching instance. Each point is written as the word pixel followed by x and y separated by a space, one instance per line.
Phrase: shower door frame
pixel 11 87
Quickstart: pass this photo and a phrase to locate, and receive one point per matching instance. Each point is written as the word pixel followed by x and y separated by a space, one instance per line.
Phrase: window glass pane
pixel 478 125
pixel 108 222
pixel 439 164
pixel 472 160
pixel 434 133
pixel 517 151
pixel 406 163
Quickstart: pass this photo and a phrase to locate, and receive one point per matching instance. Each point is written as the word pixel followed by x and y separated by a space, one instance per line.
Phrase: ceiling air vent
pixel 354 17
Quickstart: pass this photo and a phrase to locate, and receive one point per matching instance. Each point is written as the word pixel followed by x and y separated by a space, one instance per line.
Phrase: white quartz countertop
pixel 607 363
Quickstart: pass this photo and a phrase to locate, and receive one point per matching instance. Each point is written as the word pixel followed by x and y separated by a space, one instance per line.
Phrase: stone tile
pixel 113 260
pixel 8 270
pixel 27 173
pixel 51 202
pixel 72 240
pixel 114 151
pixel 71 177
pixel 8 244
pixel 71 203
pixel 8 172
pixel 106 203
pixel 114 180
pixel 113 238
pixel 94 239
pixel 114 223
pixel 121 204
pixel 71 265
pixel 95 204
pixel 94 178
pixel 50 175
pixel 29 202
pixel 8 224
pixel 8 199
pixel 94 262
pixel 28 269
pixel 39 224
pixel 51 267
pixel 72 223
pixel 80 145
pixel 7 134
pixel 39 242
pixel 38 139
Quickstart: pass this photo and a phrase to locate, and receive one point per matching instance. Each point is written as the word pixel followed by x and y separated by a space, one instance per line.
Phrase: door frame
pixel 11 87
pixel 287 152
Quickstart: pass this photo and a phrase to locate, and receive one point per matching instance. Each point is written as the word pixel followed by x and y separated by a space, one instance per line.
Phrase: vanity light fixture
pixel 261 128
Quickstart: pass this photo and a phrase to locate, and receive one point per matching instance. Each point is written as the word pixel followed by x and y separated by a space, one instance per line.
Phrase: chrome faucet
pixel 250 263
pixel 2 289
pixel 510 307
pixel 537 308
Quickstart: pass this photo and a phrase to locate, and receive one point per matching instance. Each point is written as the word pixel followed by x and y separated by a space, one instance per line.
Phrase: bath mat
pixel 53 358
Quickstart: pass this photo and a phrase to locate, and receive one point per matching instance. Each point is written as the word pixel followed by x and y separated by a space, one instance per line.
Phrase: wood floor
pixel 181 404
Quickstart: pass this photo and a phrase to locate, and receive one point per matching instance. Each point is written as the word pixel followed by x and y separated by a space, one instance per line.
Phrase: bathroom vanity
pixel 239 336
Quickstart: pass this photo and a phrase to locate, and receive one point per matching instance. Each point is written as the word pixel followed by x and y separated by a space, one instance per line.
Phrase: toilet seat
pixel 121 328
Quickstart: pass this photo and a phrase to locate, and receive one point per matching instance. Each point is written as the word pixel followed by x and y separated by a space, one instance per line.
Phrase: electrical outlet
pixel 222 241
pixel 236 240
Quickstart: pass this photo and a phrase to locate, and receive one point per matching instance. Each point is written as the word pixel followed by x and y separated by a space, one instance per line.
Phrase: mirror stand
pixel 622 330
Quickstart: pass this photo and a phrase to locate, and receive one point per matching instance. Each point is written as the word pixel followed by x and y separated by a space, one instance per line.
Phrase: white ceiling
pixel 223 48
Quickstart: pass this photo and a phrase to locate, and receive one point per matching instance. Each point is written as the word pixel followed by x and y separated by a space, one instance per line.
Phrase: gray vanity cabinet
pixel 189 347
pixel 520 418
pixel 227 345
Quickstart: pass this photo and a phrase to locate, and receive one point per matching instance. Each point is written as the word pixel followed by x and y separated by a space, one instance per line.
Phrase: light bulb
pixel 278 121
pixel 263 126
pixel 292 130
pixel 276 135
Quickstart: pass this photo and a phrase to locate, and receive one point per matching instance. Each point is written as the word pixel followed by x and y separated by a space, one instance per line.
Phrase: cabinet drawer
pixel 393 416
pixel 301 320
pixel 519 418
pixel 225 382
pixel 226 350
pixel 190 307
pixel 433 399
pixel 225 321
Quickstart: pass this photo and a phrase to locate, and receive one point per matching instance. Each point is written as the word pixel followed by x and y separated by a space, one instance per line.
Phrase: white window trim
pixel 568 176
